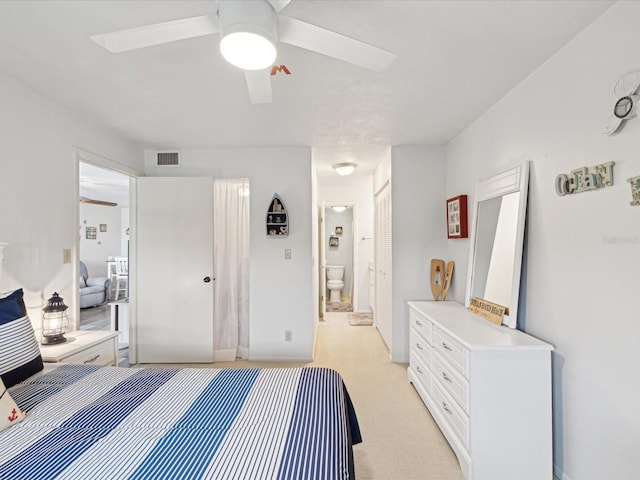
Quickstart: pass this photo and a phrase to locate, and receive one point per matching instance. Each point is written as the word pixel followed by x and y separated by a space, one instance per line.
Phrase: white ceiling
pixel 455 60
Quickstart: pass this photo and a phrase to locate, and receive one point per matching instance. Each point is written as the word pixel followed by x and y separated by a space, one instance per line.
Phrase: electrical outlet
pixel 66 255
pixel 287 335
pixel 287 254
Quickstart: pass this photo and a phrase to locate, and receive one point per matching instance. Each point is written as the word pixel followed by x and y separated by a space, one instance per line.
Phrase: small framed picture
pixel 91 233
pixel 103 227
pixel 333 241
pixel 338 230
pixel 457 217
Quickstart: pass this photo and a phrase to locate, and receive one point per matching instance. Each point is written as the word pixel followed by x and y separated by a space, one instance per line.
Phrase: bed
pixel 86 422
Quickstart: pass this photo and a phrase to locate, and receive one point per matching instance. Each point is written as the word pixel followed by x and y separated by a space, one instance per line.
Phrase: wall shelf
pixel 277 218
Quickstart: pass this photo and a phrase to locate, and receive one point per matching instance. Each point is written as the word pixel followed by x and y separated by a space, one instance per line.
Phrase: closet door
pixel 174 270
pixel 382 311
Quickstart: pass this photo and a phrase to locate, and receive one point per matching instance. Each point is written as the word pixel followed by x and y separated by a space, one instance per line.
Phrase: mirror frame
pixel 515 179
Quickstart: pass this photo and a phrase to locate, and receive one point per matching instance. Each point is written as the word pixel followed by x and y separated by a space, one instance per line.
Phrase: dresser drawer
pixel 419 346
pixel 452 413
pixel 421 371
pixel 422 325
pixel 101 354
pixel 452 351
pixel 452 381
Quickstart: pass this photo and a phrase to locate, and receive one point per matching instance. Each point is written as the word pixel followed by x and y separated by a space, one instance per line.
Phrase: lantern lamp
pixel 54 321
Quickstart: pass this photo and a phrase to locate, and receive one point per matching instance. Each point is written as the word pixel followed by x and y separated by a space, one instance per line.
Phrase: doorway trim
pixel 323 257
pixel 85 156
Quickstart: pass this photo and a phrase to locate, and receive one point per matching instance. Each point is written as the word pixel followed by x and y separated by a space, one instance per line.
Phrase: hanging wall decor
pixel 91 233
pixel 457 217
pixel 334 241
pixel 583 179
pixel 277 217
pixel 635 190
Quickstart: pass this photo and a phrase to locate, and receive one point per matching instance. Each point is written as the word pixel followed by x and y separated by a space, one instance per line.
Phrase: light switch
pixel 66 255
pixel 287 254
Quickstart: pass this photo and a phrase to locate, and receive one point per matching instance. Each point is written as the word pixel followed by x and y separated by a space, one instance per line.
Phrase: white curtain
pixel 231 269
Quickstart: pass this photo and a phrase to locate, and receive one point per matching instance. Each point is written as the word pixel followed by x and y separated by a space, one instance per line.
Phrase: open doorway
pixel 103 250
pixel 338 253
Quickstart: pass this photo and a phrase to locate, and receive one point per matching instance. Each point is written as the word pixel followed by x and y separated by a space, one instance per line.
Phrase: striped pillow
pixel 19 353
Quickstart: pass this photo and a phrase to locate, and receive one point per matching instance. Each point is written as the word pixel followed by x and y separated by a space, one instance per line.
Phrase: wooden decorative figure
pixel 447 280
pixel 635 190
pixel 277 218
pixel 437 277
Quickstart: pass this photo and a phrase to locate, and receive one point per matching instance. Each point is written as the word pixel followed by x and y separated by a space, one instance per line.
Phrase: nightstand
pixel 90 347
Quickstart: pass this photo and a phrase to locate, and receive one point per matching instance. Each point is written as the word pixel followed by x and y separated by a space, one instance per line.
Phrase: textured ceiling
pixel 455 60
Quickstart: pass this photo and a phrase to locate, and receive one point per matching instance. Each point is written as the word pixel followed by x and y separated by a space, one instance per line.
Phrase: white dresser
pixel 489 389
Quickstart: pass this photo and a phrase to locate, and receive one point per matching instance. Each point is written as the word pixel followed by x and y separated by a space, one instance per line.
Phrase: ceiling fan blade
pixel 311 37
pixel 278 5
pixel 259 85
pixel 98 202
pixel 157 34
pixel 612 125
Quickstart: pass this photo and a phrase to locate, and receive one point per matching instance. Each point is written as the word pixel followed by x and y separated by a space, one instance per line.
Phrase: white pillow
pixel 10 414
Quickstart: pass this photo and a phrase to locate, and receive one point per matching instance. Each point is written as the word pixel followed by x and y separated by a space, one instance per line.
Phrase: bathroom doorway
pixel 338 252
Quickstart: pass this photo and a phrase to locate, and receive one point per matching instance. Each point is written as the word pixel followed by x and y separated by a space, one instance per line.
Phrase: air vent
pixel 168 159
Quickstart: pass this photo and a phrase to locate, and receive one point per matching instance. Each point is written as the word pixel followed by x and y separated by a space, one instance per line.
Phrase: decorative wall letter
pixel 581 179
pixel 635 190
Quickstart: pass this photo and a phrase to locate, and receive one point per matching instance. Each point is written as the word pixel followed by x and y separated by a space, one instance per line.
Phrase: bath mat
pixel 357 319
pixel 339 307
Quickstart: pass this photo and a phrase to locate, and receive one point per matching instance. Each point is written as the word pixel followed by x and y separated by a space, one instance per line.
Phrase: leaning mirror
pixel 497 240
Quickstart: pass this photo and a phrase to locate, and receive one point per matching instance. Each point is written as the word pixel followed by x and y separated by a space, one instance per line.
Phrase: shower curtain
pixel 231 269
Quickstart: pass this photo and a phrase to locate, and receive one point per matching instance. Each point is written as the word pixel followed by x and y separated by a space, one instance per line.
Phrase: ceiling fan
pixel 250 29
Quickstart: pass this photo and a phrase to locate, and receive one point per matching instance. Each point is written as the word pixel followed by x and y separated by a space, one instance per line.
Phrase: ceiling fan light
pixel 248 50
pixel 344 168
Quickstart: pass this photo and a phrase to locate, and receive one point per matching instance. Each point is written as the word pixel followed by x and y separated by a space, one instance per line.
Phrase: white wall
pixel 419 231
pixel 94 253
pixel 38 184
pixel 581 280
pixel 280 290
pixel 356 190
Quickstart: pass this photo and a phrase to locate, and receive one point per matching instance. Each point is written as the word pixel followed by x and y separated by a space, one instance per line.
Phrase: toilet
pixel 334 282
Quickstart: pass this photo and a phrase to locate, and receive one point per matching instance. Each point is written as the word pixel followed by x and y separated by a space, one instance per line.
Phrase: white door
pixel 174 270
pixel 383 307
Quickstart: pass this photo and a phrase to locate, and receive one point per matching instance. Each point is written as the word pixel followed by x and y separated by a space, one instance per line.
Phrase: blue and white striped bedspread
pixel 106 423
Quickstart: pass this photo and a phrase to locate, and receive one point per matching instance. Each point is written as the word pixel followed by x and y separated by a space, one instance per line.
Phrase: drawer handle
pixel 92 359
pixel 446 377
pixel 419 347
pixel 418 369
pixel 446 347
pixel 446 408
pixel 419 323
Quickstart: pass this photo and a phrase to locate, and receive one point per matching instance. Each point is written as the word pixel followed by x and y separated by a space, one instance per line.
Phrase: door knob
pixel 206 279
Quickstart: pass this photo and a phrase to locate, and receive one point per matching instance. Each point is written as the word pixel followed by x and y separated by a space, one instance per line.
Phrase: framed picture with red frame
pixel 457 217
